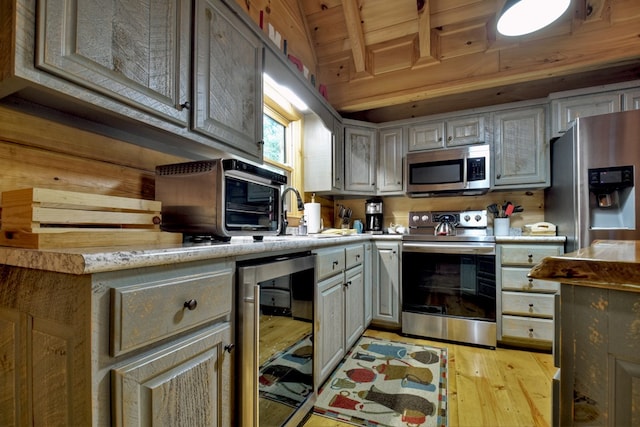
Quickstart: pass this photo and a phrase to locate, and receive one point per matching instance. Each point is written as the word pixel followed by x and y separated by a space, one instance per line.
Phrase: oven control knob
pixel 415 218
pixel 425 218
pixel 467 218
pixel 478 218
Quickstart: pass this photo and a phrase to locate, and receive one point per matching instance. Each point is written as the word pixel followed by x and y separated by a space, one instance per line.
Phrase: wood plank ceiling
pixel 385 60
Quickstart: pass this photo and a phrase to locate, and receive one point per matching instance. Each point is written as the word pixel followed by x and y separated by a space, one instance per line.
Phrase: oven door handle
pixel 450 248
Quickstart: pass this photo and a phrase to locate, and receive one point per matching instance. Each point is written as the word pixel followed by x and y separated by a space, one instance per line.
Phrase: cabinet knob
pixel 185 106
pixel 530 283
pixel 498 176
pixel 191 304
pixel 347 283
pixel 450 138
pixel 530 332
pixel 229 347
pixel 335 264
pixel 530 308
pixel 530 256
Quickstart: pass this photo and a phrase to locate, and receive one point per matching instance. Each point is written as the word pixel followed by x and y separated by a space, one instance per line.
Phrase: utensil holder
pixel 501 226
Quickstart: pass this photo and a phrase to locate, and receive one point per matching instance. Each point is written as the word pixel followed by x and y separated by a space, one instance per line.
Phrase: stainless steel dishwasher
pixel 275 354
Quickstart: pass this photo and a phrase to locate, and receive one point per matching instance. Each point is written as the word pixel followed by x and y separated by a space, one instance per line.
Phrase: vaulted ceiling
pixel 385 60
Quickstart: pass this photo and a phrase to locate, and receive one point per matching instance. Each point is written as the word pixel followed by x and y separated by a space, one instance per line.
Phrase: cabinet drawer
pixel 515 279
pixel 527 255
pixel 526 304
pixel 148 312
pixel 354 255
pixel 527 327
pixel 329 262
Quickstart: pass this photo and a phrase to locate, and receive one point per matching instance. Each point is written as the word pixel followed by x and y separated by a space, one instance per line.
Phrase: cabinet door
pixel 354 305
pixel 135 52
pixel 390 153
pixel 521 152
pixel 360 160
pixel 338 156
pixel 329 327
pixel 465 131
pixel 632 99
pixel 228 79
pixel 386 290
pixel 565 111
pixel 426 136
pixel 186 384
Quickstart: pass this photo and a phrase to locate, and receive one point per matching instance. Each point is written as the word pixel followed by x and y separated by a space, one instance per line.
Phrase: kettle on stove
pixel 445 228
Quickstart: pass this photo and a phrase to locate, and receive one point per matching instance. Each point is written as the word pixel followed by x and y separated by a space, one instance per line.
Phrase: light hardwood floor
pixel 501 387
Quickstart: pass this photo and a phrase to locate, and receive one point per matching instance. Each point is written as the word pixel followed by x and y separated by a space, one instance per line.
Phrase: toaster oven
pixel 219 198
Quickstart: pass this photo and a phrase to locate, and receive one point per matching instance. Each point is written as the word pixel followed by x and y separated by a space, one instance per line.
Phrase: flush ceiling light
pixel 521 17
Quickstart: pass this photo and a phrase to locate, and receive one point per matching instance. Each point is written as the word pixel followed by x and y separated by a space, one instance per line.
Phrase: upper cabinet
pixel 323 155
pixel 451 132
pixel 632 99
pixel 521 151
pixel 390 161
pixel 360 169
pixel 566 110
pixel 137 53
pixel 183 81
pixel 227 78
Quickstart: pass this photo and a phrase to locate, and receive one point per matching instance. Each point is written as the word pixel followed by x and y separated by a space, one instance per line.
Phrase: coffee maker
pixel 373 215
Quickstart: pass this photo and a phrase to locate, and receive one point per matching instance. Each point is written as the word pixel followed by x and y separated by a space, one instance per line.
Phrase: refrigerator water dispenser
pixel 612 198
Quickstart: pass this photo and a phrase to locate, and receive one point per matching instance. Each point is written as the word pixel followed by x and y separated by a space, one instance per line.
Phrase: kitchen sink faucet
pixel 283 213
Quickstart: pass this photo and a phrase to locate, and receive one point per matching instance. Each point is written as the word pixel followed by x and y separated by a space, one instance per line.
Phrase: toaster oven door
pixel 250 207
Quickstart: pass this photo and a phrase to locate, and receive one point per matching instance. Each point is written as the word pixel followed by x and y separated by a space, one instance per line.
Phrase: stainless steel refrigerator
pixel 593 178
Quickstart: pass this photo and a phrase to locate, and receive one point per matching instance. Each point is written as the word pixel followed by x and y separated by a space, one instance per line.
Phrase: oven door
pixel 449 291
pixel 250 206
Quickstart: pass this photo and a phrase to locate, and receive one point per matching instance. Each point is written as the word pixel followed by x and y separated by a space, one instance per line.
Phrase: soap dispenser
pixel 302 226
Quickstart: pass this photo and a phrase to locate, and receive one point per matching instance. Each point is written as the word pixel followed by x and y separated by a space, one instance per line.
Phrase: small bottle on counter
pixel 302 226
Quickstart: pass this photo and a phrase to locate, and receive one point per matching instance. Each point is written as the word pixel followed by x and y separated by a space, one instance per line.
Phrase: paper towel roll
pixel 312 212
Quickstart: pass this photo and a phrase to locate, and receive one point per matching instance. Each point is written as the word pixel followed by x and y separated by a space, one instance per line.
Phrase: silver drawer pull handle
pixel 191 304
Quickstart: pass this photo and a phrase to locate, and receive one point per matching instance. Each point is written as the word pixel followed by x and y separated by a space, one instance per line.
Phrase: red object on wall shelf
pixel 323 91
pixel 295 61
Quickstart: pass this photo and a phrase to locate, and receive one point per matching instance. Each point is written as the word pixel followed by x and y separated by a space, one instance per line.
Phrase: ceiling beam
pixel 356 34
pixel 424 30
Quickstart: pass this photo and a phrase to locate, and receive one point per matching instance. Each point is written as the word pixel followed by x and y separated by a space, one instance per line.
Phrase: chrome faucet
pixel 283 214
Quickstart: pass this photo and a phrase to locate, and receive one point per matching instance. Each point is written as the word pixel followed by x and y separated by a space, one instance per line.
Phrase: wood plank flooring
pixel 501 387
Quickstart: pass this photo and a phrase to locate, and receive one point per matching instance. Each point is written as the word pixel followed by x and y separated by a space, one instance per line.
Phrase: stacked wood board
pixel 41 218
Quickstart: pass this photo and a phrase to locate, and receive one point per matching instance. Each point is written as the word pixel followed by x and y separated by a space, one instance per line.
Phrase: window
pixel 275 141
pixel 282 135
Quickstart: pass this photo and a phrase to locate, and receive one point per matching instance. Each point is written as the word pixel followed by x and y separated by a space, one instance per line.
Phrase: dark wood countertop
pixel 612 264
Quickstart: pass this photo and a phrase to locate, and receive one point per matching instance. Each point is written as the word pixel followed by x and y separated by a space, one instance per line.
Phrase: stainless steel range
pixel 449 277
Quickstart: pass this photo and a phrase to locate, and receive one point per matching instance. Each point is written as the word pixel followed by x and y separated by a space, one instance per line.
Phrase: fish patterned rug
pixel 388 383
pixel 288 376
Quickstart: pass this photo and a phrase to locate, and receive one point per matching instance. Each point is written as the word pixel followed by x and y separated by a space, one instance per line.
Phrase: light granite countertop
pixel 611 264
pixel 95 260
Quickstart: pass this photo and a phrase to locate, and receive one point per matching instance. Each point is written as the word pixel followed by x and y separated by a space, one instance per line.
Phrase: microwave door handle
pixel 465 182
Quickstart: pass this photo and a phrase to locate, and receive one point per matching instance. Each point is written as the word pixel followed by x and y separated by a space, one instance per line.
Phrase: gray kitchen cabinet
pixel 137 53
pixel 323 155
pixel 339 304
pixel 390 161
pixel 525 305
pixel 228 58
pixel 631 99
pixel 465 130
pixel 447 132
pixel 566 110
pixel 360 159
pixel 128 69
pixel 386 284
pixel 599 356
pixel 521 151
pixel 426 136
pixel 368 283
pixel 101 348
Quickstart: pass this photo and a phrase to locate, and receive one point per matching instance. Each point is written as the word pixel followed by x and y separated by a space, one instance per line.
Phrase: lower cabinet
pixel 386 284
pixel 599 356
pixel 526 306
pixel 148 346
pixel 339 304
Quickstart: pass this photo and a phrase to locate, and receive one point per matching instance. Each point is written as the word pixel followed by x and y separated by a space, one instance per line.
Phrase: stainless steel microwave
pixel 219 198
pixel 452 171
